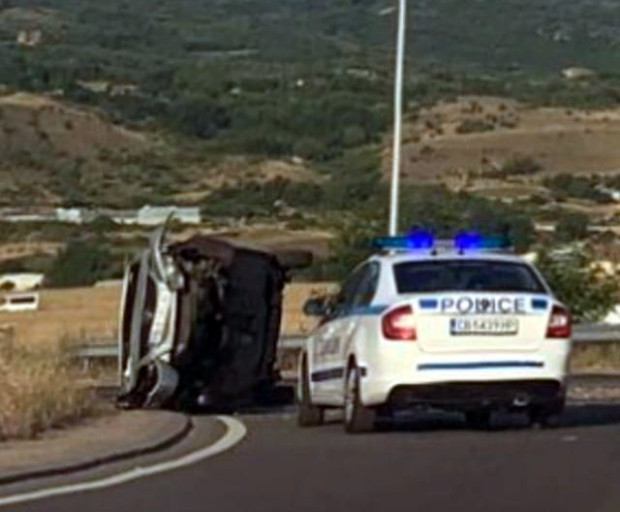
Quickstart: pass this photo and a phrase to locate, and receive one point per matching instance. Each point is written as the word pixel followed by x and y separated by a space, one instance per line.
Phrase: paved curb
pixel 167 441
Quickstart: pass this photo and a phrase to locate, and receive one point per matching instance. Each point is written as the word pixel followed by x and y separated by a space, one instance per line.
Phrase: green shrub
pixel 579 187
pixel 572 226
pixel 81 263
pixel 576 282
pixel 521 165
pixel 474 126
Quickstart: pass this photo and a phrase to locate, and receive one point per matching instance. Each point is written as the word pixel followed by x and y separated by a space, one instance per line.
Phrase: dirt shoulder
pixel 112 437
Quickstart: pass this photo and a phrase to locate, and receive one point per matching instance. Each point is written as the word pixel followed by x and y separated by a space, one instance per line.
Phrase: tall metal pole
pixel 398 112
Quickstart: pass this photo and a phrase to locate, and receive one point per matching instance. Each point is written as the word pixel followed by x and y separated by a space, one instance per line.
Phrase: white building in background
pixel 155 215
pixel 613 317
pixel 145 216
pixel 29 38
pixel 29 217
pixel 21 282
pixel 17 302
pixel 577 73
pixel 71 215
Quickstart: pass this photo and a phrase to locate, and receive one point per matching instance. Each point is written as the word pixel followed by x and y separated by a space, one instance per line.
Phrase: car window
pixel 359 289
pixel 347 294
pixel 463 275
pixel 367 285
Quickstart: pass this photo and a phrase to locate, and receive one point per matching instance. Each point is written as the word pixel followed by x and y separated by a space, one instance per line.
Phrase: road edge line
pixel 235 433
pixel 118 456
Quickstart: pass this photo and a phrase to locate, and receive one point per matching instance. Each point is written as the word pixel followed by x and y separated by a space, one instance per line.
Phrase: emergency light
pixel 468 240
pixel 412 241
pixel 424 240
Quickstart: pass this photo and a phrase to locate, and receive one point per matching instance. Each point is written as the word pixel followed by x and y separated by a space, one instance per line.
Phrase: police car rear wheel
pixel 308 415
pixel 357 418
pixel 546 417
pixel 479 419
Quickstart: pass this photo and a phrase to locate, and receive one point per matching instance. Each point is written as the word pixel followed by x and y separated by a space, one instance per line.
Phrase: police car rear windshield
pixel 463 275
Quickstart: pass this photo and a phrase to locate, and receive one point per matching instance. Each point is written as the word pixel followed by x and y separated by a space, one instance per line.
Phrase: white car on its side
pixel 460 326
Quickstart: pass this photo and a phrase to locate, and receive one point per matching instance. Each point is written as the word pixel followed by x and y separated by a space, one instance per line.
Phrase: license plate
pixel 484 326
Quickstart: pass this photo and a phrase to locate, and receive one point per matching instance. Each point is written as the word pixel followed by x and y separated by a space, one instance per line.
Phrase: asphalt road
pixel 432 463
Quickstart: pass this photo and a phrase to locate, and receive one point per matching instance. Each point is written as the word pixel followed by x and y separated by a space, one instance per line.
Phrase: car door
pixel 148 325
pixel 330 345
pixel 359 311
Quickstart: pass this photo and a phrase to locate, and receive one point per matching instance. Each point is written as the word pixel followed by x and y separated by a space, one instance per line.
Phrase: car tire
pixel 308 415
pixel 546 417
pixel 479 419
pixel 357 417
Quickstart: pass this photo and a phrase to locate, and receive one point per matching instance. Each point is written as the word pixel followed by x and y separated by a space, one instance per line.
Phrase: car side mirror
pixel 317 306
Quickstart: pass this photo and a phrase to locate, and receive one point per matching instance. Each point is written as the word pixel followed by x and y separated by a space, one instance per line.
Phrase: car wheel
pixel 357 418
pixel 479 419
pixel 308 415
pixel 546 417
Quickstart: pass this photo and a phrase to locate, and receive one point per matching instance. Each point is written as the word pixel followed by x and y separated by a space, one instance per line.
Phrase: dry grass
pixel 48 127
pixel 561 140
pixel 77 313
pixel 595 358
pixel 91 314
pixel 39 391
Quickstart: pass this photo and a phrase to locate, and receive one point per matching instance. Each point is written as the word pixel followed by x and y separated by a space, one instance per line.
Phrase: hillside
pixel 55 153
pixel 124 103
pixel 51 129
pixel 479 134
pixel 540 36
pixel 50 149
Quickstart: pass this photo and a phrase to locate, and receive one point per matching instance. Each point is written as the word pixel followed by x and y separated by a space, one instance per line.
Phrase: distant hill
pixel 49 150
pixel 482 134
pixel 153 100
pixel 478 34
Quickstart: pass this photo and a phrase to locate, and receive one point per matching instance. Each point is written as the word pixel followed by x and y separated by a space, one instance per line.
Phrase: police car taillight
pixel 559 323
pixel 399 324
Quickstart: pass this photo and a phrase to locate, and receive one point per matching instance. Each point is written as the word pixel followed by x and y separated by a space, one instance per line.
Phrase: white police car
pixel 461 326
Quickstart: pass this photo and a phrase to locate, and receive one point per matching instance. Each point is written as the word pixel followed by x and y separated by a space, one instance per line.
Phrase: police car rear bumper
pixel 470 395
pixel 537 373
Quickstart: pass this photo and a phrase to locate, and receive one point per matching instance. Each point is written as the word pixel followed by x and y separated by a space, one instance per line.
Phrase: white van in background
pixel 17 302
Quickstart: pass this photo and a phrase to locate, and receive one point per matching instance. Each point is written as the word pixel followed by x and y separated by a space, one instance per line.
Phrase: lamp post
pixel 398 113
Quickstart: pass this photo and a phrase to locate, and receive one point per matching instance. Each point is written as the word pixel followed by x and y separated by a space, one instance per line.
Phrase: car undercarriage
pixel 200 322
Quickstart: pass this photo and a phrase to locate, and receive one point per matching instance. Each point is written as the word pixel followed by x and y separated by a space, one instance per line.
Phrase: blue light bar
pixel 472 241
pixel 467 240
pixel 421 240
pixel 416 240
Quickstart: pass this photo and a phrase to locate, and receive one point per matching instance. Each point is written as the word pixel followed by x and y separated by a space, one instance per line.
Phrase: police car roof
pixel 401 256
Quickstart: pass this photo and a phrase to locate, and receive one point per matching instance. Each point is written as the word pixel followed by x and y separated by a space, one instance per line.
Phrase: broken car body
pixel 200 322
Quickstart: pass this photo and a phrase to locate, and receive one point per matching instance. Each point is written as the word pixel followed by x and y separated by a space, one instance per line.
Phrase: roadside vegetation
pixel 147 103
pixel 39 391
pixel 595 358
pixel 200 81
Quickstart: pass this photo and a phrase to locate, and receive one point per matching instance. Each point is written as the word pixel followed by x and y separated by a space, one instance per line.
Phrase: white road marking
pixel 236 431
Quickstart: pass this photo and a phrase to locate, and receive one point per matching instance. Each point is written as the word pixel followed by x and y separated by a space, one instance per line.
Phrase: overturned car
pixel 200 322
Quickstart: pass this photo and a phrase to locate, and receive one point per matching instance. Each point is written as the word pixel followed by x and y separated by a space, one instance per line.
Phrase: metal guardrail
pixel 109 349
pixel 582 334
pixel 596 333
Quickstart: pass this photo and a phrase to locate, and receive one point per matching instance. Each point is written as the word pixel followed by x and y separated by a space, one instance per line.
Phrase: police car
pixel 462 325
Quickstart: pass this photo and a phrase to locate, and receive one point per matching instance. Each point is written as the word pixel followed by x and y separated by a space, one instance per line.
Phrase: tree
pixel 350 247
pixel 525 165
pixel 579 283
pixel 309 148
pixel 571 227
pixel 81 263
pixel 198 117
